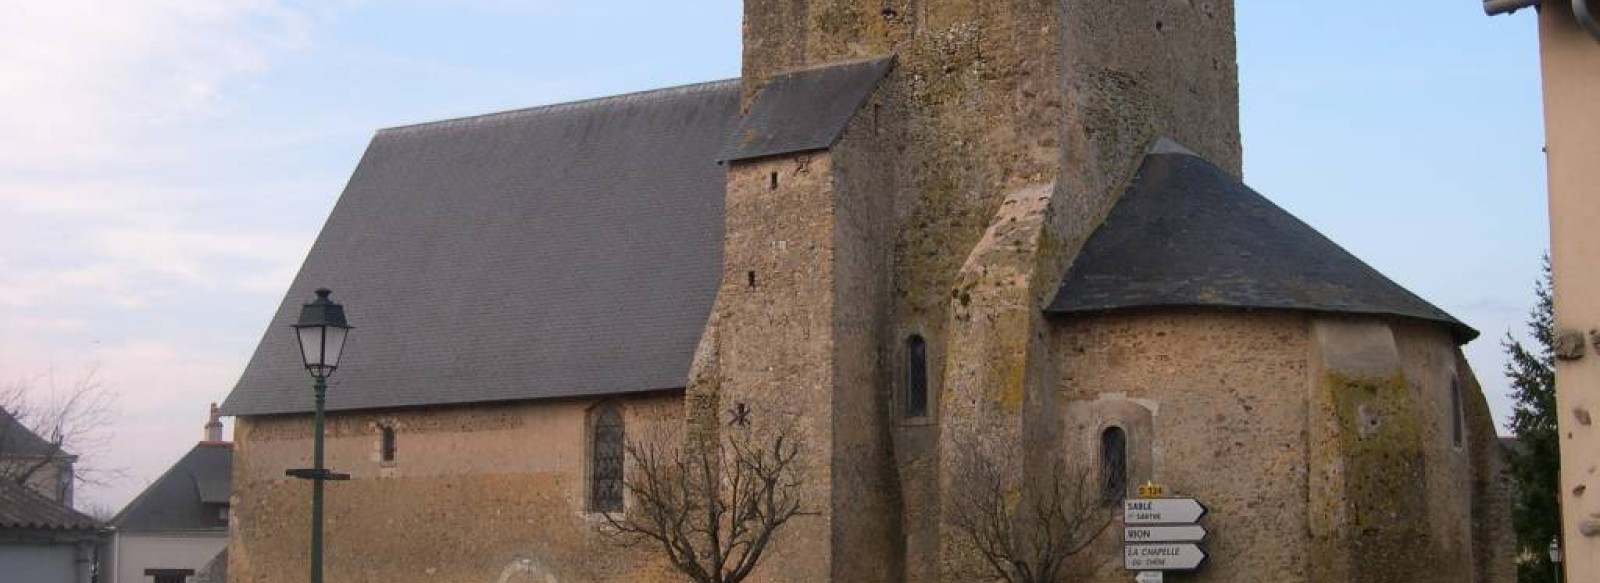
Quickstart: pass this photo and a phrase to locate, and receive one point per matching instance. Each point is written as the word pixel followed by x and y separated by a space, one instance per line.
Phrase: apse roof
pixel 559 251
pixel 1187 233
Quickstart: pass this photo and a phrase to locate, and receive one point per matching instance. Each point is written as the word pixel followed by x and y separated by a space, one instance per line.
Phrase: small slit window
pixel 386 444
pixel 916 398
pixel 1114 464
pixel 1457 431
pixel 607 447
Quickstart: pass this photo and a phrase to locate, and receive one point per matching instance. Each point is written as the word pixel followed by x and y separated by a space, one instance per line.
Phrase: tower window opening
pixel 1114 464
pixel 916 395
pixel 1457 430
pixel 386 445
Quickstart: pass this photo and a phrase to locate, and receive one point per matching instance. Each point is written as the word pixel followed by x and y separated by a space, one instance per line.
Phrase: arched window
pixel 1114 464
pixel 1457 431
pixel 605 478
pixel 916 398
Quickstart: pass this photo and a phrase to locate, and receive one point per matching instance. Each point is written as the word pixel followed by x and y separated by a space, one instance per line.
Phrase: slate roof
pixel 17 440
pixel 804 110
pixel 558 251
pixel 1186 233
pixel 22 508
pixel 187 497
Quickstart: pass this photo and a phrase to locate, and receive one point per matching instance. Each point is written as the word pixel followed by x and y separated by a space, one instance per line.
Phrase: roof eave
pixel 1461 332
pixel 1498 7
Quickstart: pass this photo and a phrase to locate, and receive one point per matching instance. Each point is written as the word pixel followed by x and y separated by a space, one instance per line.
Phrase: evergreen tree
pixel 1536 463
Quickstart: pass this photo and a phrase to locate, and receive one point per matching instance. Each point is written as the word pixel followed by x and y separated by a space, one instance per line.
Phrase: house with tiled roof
pixel 178 525
pixel 921 235
pixel 43 540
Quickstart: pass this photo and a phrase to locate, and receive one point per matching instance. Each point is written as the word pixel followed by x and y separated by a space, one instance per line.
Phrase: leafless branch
pixel 1026 530
pixel 46 423
pixel 711 507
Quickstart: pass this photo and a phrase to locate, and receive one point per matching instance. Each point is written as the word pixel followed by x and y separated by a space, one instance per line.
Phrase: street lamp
pixel 321 332
pixel 1555 555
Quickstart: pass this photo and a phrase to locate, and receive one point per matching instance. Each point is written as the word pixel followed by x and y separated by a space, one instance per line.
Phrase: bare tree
pixel 53 433
pixel 711 506
pixel 1027 534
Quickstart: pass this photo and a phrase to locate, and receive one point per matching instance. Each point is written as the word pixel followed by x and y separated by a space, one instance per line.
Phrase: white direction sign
pixel 1182 533
pixel 1149 577
pixel 1161 510
pixel 1162 557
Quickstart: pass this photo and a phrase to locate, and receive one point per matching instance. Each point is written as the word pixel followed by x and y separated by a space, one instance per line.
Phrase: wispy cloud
pixel 88 82
pixel 112 210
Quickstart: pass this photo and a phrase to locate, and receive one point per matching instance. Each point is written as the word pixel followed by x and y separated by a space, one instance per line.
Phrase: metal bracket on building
pixel 740 414
pixel 1569 345
pixel 310 474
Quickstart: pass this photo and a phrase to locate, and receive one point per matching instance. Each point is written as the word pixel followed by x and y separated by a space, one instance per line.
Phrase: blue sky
pixel 165 164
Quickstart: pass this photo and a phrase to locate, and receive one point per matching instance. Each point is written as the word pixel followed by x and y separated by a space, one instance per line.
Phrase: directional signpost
pixel 1163 557
pixel 1186 533
pixel 1162 511
pixel 1161 534
pixel 1148 577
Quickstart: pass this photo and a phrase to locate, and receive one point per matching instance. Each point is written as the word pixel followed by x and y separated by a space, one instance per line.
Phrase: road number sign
pixel 1161 511
pixel 1181 533
pixel 1149 577
pixel 1162 557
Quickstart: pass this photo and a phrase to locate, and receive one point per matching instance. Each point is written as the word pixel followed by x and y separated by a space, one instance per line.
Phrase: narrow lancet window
pixel 605 480
pixel 1457 431
pixel 916 400
pixel 1114 464
pixel 386 443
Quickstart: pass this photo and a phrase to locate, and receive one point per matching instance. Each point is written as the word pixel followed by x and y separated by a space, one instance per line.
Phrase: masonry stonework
pixel 1042 105
pixel 1256 416
pixel 482 493
pixel 1215 408
pixel 1330 448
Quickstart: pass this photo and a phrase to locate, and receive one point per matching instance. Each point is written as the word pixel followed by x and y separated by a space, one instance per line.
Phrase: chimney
pixel 214 426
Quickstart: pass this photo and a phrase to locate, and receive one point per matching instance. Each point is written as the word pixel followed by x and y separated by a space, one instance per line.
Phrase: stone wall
pixel 1213 403
pixel 493 492
pixel 868 535
pixel 775 334
pixel 1325 448
pixel 1428 358
pixel 795 339
pixel 1039 101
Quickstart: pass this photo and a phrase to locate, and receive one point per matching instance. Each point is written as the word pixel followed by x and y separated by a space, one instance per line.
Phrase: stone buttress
pixel 944 204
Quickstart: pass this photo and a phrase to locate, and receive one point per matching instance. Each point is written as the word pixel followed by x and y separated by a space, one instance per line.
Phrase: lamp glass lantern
pixel 321 331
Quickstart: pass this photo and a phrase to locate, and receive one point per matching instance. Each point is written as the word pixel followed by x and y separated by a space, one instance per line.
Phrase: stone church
pixel 908 227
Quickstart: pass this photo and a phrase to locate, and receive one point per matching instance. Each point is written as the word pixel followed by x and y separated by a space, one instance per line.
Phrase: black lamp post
pixel 1555 556
pixel 321 332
